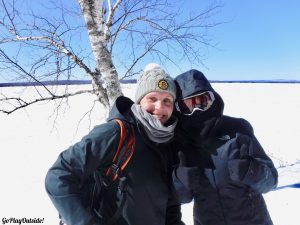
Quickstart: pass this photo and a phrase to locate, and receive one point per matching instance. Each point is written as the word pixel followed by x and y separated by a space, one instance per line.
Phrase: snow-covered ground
pixel 31 140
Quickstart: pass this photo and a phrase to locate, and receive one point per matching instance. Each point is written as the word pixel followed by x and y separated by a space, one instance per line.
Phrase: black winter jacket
pixel 223 166
pixel 151 197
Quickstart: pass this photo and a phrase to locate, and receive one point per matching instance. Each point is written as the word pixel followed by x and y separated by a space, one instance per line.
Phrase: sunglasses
pixel 189 105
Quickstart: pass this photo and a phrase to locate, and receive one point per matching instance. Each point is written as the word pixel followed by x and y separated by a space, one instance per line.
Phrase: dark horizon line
pixel 131 81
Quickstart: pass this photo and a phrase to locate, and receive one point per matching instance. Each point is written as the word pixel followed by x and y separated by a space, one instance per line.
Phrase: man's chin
pixel 163 121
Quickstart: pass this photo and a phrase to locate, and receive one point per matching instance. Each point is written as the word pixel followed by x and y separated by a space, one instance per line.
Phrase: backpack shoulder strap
pixel 120 160
pixel 123 153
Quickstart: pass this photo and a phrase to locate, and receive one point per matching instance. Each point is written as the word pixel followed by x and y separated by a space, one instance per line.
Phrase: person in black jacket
pixel 222 165
pixel 150 194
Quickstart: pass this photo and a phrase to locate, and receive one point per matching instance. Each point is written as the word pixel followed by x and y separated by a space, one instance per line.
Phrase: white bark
pixel 98 31
pixel 121 32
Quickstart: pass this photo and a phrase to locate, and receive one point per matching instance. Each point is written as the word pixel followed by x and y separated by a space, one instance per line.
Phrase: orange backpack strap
pixel 120 160
pixel 123 153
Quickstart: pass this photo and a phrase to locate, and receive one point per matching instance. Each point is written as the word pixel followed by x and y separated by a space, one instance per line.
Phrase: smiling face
pixel 159 104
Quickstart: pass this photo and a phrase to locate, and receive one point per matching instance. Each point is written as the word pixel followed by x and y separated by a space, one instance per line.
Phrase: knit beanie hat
pixel 154 78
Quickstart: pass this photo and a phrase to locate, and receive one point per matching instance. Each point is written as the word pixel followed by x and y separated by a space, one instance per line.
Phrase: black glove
pixel 182 185
pixel 239 164
pixel 238 168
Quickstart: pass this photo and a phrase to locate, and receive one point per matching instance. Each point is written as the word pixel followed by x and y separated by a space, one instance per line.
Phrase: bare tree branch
pixel 23 70
pixel 110 17
pixel 22 103
pixel 101 40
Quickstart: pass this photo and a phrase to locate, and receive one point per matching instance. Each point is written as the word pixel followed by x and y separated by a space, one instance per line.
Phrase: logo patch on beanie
pixel 163 84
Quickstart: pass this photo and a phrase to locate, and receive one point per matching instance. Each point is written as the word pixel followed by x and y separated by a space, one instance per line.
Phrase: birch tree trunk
pixel 106 81
pixel 122 33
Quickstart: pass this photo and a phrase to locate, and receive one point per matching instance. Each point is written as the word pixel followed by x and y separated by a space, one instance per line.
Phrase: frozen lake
pixel 31 140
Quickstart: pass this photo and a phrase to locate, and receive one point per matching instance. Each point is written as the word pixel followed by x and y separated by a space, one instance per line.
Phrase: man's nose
pixel 159 105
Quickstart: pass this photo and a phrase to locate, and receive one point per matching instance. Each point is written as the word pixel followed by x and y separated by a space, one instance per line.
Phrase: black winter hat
pixel 191 83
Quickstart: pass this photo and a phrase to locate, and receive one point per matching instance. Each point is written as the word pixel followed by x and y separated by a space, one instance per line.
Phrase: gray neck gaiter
pixel 155 130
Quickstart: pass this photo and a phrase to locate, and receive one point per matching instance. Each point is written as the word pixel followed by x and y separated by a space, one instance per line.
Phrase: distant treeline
pixel 131 81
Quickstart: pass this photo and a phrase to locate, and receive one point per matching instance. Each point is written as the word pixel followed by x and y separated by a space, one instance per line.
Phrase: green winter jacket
pixel 150 193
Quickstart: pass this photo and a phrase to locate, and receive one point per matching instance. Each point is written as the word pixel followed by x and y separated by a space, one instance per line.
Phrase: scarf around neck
pixel 154 129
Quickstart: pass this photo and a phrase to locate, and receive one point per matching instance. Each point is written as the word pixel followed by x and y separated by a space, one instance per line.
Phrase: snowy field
pixel 31 140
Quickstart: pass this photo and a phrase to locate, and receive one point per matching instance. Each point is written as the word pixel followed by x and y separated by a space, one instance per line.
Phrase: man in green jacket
pixel 150 195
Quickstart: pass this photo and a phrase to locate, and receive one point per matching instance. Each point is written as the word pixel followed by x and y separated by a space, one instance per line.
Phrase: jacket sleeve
pixel 66 180
pixel 173 214
pixel 251 165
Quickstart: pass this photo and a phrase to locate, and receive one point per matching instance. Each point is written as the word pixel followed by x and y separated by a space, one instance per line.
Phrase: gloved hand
pixel 180 178
pixel 239 163
pixel 238 168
